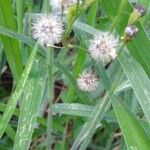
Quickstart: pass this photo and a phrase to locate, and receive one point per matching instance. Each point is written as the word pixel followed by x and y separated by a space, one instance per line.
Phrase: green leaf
pixel 125 85
pixel 10 132
pixel 134 134
pixel 17 93
pixel 81 110
pixel 91 16
pixel 11 46
pixel 90 126
pixel 16 113
pixel 140 46
pixel 33 94
pixel 138 80
pixel 86 28
pixel 73 109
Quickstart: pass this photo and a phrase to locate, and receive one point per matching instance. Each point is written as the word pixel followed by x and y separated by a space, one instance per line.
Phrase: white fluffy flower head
pixel 48 30
pixel 103 47
pixel 88 81
pixel 60 6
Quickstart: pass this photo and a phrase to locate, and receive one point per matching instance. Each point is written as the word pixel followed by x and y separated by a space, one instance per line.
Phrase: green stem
pixel 12 102
pixel 77 47
pixel 50 89
pixel 50 96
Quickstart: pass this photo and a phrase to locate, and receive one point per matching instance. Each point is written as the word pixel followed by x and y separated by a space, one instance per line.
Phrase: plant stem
pixel 50 89
pixel 50 96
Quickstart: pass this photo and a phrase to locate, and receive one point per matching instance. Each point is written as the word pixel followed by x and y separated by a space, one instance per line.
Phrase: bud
pixel 130 32
pixel 138 12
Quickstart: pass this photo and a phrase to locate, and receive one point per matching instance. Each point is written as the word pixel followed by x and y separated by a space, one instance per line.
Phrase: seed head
pixel 60 6
pixel 103 48
pixel 88 81
pixel 48 30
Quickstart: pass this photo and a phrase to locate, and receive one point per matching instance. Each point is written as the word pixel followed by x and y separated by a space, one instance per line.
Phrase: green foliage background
pixel 115 116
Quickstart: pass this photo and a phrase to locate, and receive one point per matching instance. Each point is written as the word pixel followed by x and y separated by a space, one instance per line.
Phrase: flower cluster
pixel 48 30
pixel 103 47
pixel 88 81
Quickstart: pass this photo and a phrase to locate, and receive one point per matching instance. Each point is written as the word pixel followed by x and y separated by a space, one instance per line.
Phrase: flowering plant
pixel 74 74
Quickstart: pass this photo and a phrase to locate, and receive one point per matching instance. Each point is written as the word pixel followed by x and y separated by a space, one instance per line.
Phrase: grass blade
pixel 139 82
pixel 17 93
pixel 33 94
pixel 73 109
pixel 92 13
pixel 11 46
pixel 16 113
pixel 89 128
pixel 134 134
pixel 10 132
pixel 81 110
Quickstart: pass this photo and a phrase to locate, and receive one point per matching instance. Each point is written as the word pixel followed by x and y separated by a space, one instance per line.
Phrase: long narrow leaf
pixel 139 82
pixel 134 134
pixel 33 94
pixel 11 46
pixel 17 93
pixel 89 127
